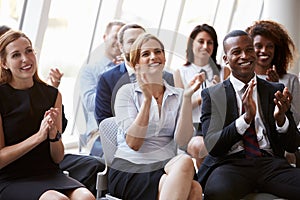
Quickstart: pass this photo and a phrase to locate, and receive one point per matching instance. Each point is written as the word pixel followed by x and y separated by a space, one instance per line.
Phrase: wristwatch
pixel 57 137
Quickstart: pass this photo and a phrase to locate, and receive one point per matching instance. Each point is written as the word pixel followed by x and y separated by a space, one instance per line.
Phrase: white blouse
pixel 187 73
pixel 159 144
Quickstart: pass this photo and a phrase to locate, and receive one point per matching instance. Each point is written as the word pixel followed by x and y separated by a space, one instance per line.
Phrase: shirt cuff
pixel 284 128
pixel 241 125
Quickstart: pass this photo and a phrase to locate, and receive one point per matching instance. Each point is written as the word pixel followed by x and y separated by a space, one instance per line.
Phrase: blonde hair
pixel 135 51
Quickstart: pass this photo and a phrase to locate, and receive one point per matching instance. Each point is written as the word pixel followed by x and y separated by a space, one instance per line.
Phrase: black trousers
pixel 83 168
pixel 239 176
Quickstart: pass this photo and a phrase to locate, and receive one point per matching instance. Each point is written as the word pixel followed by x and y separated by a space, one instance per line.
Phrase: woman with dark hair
pixel 276 51
pixel 201 55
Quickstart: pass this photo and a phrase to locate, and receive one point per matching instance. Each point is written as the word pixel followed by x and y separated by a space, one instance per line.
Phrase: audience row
pixel 237 121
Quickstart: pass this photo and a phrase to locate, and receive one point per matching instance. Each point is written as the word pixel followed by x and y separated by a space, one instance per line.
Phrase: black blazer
pixel 219 112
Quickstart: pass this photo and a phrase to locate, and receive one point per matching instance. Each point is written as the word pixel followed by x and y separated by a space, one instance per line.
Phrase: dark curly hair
pixel 189 50
pixel 284 46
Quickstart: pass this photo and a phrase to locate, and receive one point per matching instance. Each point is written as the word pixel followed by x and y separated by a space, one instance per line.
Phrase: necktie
pixel 251 146
pixel 204 83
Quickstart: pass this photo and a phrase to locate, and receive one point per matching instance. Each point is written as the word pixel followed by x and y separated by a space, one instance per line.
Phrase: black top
pixel 22 112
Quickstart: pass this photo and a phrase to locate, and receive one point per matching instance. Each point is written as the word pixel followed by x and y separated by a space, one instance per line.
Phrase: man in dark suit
pixel 112 80
pixel 239 164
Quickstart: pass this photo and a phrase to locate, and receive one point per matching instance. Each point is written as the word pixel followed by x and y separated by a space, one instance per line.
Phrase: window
pixel 10 12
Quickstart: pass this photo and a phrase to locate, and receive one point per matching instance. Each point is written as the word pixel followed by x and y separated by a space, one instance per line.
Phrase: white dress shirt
pixel 241 124
pixel 159 144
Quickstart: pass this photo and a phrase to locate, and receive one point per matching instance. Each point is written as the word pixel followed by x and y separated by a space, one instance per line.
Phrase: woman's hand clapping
pixel 49 124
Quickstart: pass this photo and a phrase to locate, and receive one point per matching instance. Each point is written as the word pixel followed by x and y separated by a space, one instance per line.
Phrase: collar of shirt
pixel 207 68
pixel 259 126
pixel 239 85
pixel 129 69
pixel 168 92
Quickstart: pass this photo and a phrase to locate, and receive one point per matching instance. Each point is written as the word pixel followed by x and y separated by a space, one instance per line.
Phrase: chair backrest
pixel 108 130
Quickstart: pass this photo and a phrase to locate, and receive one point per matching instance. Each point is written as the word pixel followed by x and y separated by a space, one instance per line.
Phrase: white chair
pixel 108 133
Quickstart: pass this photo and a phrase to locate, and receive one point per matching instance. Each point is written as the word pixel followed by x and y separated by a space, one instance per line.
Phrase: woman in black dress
pixel 30 127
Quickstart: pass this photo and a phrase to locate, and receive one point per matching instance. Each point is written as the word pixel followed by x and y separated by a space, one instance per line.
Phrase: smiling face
pixel 20 59
pixel 130 35
pixel 152 57
pixel 203 45
pixel 111 45
pixel 241 57
pixel 265 50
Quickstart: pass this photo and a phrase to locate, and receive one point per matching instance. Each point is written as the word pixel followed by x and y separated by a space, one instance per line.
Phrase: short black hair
pixel 233 33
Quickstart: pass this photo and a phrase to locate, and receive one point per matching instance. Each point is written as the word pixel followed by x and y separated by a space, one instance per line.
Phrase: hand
pixel 272 74
pixel 44 129
pixel 194 84
pixel 143 82
pixel 283 102
pixel 54 77
pixel 119 59
pixel 249 103
pixel 216 79
pixel 52 119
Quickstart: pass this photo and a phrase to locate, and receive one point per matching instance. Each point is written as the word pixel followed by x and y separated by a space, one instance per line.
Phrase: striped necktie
pixel 251 145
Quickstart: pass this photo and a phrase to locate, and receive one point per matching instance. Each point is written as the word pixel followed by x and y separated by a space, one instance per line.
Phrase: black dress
pixel 34 173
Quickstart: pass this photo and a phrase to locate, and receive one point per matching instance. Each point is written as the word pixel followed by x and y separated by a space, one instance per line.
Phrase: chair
pixel 108 133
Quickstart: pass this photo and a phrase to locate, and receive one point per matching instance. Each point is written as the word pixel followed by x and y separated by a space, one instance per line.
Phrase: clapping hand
pixel 48 127
pixel 283 102
pixel 272 74
pixel 143 82
pixel 54 77
pixel 52 120
pixel 194 84
pixel 216 79
pixel 119 59
pixel 249 103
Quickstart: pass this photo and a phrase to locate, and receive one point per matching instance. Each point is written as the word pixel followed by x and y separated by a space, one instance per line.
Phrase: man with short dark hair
pixel 247 126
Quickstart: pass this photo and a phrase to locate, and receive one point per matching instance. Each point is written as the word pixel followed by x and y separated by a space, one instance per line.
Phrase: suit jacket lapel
pixel 232 108
pixel 262 91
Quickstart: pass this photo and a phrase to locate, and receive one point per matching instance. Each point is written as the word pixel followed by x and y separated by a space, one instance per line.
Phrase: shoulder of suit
pixel 168 73
pixel 269 84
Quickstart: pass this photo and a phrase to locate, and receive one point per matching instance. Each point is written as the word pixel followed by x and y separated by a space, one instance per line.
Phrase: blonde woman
pixel 146 161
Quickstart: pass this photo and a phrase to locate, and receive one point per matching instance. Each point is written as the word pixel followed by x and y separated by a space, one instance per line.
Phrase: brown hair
pixel 4 29
pixel 135 51
pixel 189 49
pixel 6 39
pixel 284 46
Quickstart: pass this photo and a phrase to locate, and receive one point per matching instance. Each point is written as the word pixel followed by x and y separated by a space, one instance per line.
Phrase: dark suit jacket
pixel 219 112
pixel 108 85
